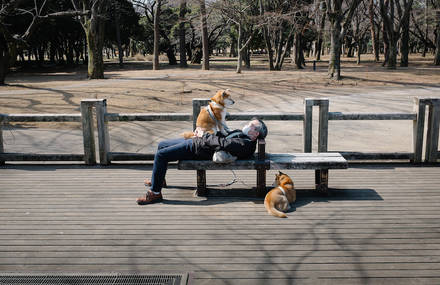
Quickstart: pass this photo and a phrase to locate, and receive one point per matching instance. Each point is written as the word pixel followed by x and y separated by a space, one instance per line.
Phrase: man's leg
pixel 182 150
pixel 161 145
pixel 170 142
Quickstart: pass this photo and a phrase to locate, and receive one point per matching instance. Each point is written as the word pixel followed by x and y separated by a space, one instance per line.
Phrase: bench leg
pixel 201 183
pixel 321 180
pixel 261 183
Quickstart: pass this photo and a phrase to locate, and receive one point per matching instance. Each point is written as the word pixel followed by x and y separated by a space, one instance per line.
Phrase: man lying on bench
pixel 240 143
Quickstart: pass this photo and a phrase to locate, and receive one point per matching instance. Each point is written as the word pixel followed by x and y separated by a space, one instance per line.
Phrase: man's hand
pixel 198 132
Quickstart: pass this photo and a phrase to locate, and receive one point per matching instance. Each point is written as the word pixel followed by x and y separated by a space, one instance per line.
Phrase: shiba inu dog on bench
pixel 279 198
pixel 212 118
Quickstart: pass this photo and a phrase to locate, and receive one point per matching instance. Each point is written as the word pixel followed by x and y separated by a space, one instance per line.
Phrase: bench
pixel 262 161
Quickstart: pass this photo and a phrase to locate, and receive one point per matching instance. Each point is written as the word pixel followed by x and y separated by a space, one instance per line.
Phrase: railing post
pixel 418 129
pixel 103 135
pixel 2 150
pixel 88 133
pixel 198 103
pixel 433 131
pixel 307 129
pixel 323 125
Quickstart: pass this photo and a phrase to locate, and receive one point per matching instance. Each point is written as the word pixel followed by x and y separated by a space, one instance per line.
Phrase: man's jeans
pixel 169 150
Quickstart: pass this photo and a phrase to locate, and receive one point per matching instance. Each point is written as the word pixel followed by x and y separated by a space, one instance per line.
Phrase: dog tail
pixel 270 207
pixel 188 135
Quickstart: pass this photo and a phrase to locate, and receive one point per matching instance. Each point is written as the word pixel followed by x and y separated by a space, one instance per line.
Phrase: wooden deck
pixel 380 226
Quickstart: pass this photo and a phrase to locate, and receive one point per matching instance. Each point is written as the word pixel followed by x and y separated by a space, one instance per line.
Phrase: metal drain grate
pixel 92 279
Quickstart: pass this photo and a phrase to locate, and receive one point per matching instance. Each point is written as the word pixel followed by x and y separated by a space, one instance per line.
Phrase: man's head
pixel 254 129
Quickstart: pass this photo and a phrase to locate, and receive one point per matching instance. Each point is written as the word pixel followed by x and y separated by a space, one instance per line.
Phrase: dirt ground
pixel 136 88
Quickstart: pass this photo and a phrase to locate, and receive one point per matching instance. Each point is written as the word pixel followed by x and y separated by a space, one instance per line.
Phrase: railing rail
pixel 105 156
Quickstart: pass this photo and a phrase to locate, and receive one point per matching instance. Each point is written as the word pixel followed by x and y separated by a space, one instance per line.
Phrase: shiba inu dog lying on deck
pixel 212 118
pixel 279 198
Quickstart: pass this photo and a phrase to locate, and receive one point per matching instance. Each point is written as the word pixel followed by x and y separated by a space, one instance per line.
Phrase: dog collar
pixel 217 105
pixel 282 190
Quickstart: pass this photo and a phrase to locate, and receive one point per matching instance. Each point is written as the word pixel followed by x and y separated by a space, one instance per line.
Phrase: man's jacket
pixel 236 143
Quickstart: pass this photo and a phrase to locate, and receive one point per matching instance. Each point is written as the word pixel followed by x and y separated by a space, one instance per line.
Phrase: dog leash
pixel 233 181
pixel 217 122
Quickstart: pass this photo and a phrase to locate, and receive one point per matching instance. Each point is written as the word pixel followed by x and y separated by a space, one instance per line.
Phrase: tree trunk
pixel 320 36
pixel 171 56
pixel 247 57
pixel 156 36
pixel 69 54
pixel 334 65
pixel 118 34
pixel 359 51
pixel 425 45
pixel 386 45
pixel 374 40
pixel 182 48
pixel 205 39
pixel 437 39
pixel 94 30
pixel 298 56
pixel 52 52
pixel 392 59
pixel 233 50
pixel 267 39
pixel 197 56
pixel 404 48
pixel 3 60
pixel 240 51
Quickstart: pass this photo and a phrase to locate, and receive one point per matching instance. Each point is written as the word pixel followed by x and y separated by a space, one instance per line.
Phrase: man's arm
pixel 240 147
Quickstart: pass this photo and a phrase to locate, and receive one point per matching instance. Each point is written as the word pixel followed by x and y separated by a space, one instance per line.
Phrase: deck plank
pixel 379 225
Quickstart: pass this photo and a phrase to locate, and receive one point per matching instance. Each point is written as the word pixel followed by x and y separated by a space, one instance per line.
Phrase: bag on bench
pixel 222 156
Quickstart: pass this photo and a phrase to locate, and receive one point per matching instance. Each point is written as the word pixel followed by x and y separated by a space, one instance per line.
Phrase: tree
pixel 320 9
pixel 278 24
pixel 19 19
pixel 240 13
pixel 360 28
pixel 393 27
pixel 437 34
pixel 182 32
pixel 205 40
pixel 374 29
pixel 94 28
pixel 339 20
pixel 156 54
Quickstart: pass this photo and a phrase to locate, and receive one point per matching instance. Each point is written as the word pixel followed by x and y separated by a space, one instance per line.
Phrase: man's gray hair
pixel 261 128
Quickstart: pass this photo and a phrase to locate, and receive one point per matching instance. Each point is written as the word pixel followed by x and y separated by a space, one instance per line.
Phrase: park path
pixel 391 136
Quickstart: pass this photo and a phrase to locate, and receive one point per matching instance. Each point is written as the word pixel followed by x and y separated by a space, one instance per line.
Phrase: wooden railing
pixel 106 157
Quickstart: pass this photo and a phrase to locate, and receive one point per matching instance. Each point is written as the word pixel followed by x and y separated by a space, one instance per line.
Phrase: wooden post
pixel 321 175
pixel 433 131
pixel 198 103
pixel 261 169
pixel 418 129
pixel 321 180
pixel 201 183
pixel 323 125
pixel 103 135
pixel 2 150
pixel 88 134
pixel 307 130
